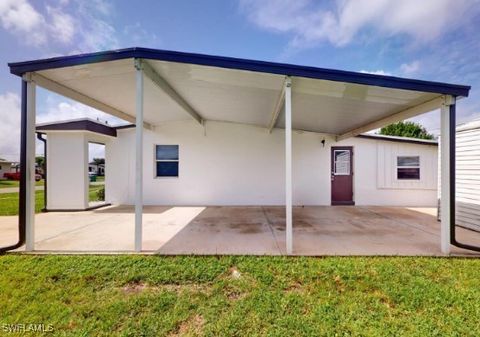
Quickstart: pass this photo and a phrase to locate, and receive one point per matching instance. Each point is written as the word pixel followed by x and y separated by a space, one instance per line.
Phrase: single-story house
pixel 217 130
pixel 96 169
pixel 6 167
pixel 182 163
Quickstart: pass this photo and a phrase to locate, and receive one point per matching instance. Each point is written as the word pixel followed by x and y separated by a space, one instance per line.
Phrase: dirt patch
pixel 234 294
pixel 134 288
pixel 295 287
pixel 139 287
pixel 192 326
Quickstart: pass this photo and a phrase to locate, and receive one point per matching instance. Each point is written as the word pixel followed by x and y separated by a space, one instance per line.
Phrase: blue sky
pixel 429 39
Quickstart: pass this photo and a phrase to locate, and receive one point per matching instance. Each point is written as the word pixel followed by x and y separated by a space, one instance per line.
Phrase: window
pixel 166 157
pixel 408 167
pixel 341 164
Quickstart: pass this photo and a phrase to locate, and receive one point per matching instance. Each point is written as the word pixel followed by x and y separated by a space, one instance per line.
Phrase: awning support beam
pixel 30 165
pixel 399 116
pixel 139 155
pixel 446 183
pixel 288 167
pixel 278 105
pixel 81 98
pixel 170 91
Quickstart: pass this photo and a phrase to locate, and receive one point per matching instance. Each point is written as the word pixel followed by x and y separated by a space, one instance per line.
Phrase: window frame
pixel 409 167
pixel 155 161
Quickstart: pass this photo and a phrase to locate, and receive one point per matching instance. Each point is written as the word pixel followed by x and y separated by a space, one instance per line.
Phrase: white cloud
pixel 10 126
pixel 57 110
pixel 309 23
pixel 65 110
pixel 410 68
pixel 95 31
pixel 376 72
pixel 62 27
pixel 87 27
pixel 139 36
pixel 19 17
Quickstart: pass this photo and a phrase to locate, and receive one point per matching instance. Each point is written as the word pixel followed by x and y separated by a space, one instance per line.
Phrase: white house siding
pixel 5 167
pixel 468 175
pixel 232 164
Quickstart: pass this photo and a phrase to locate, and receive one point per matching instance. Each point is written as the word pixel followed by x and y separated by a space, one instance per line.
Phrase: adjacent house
pixel 6 167
pixel 468 175
pixel 96 169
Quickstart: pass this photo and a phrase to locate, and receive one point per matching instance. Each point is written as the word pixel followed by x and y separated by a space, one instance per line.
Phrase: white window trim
pixel 409 166
pixel 155 160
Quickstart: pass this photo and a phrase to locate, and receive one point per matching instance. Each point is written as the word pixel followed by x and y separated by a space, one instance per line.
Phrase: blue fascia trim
pixel 243 64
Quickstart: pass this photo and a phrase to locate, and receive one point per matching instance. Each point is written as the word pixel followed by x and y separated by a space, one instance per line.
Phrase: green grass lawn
pixel 92 192
pixel 9 201
pixel 272 296
pixel 15 183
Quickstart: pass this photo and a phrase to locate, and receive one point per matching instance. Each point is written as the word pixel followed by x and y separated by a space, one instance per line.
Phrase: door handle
pixel 333 177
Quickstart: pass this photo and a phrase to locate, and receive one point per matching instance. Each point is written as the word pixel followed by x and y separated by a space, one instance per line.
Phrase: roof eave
pixel 19 68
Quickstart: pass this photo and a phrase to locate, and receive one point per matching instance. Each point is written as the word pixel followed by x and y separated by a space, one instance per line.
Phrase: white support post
pixel 288 165
pixel 445 174
pixel 30 166
pixel 139 156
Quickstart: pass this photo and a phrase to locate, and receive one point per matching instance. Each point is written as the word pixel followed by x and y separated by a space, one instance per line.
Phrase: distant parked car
pixel 16 176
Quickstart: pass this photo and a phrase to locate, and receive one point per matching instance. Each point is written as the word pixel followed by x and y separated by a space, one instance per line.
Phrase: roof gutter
pixel 23 176
pixel 44 141
pixel 452 168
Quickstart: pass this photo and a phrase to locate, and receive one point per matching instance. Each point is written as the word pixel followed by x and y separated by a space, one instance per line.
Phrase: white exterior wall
pixel 67 170
pixel 5 167
pixel 468 176
pixel 233 164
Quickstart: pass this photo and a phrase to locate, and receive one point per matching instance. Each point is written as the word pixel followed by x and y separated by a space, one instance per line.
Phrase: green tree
pixel 40 161
pixel 99 161
pixel 406 129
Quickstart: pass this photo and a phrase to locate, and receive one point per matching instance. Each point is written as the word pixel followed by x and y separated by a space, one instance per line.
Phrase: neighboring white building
pixel 232 164
pixel 5 167
pixel 97 169
pixel 468 175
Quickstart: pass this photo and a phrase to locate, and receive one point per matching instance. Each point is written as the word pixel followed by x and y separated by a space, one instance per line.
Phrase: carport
pixel 151 87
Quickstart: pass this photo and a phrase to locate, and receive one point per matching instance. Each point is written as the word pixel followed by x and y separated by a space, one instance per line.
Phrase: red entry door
pixel 342 175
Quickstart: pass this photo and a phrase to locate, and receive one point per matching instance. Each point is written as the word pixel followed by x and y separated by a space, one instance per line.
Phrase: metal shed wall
pixel 468 175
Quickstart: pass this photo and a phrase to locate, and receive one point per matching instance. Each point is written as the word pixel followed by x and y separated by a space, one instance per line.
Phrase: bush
pixel 101 194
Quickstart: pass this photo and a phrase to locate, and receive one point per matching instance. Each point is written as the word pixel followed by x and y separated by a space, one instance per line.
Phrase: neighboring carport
pixel 202 88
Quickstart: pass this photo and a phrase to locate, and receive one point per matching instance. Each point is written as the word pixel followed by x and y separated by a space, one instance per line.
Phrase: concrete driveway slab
pixel 256 230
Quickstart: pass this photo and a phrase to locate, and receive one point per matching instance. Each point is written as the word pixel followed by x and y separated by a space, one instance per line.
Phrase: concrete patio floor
pixel 318 230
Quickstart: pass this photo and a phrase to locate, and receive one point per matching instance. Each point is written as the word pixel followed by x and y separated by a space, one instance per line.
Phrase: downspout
pixel 44 141
pixel 452 150
pixel 22 203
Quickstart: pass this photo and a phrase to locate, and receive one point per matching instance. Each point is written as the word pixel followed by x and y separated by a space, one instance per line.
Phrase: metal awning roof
pixel 236 90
